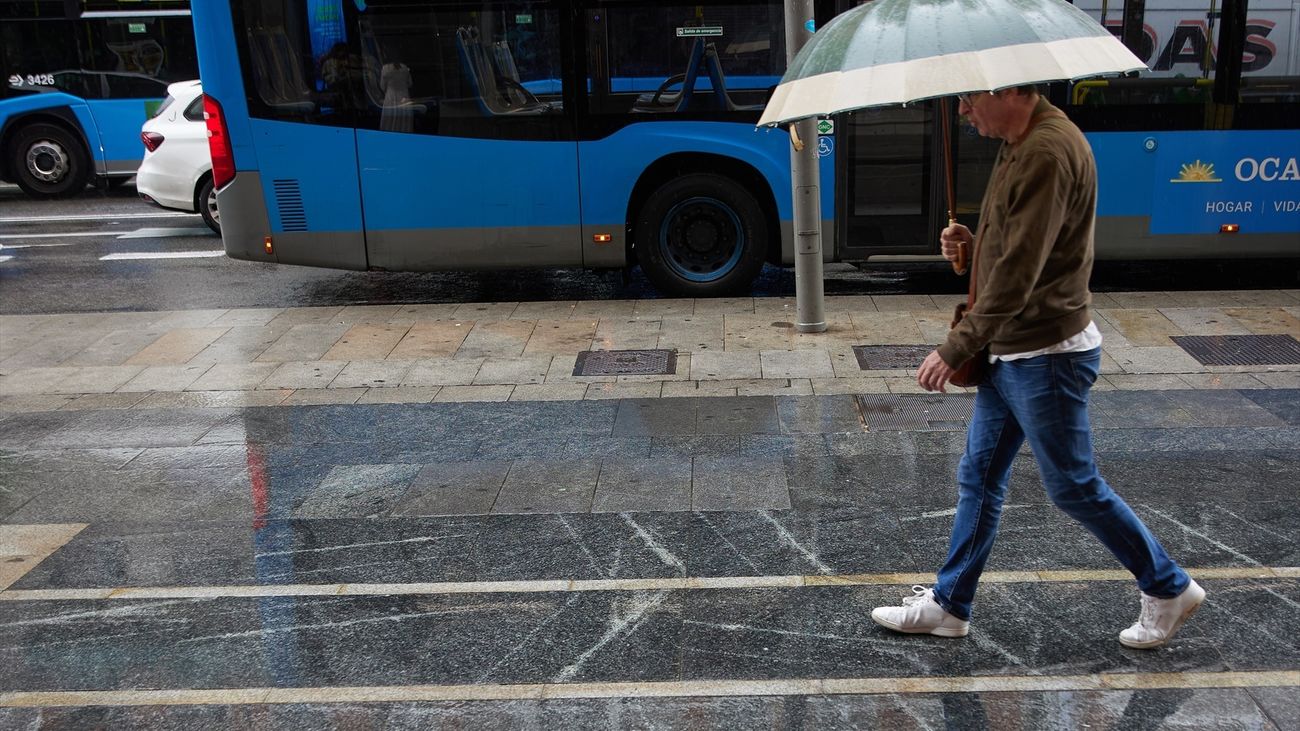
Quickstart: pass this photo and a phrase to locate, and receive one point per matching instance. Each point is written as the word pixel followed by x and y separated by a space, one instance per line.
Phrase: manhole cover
pixel 626 363
pixel 890 357
pixel 916 412
pixel 1241 350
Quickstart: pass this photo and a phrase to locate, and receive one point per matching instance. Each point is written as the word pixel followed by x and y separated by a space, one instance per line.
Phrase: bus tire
pixel 701 235
pixel 48 161
pixel 206 201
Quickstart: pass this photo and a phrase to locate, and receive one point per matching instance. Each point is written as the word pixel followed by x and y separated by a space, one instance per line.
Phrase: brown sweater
pixel 1034 254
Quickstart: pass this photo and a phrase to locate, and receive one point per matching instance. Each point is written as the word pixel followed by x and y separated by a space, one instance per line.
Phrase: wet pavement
pixel 51 263
pixel 626 553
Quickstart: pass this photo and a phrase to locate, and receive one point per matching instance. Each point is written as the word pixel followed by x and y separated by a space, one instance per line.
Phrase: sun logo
pixel 1197 172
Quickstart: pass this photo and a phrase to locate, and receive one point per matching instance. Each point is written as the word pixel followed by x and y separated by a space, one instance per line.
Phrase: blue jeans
pixel 1044 400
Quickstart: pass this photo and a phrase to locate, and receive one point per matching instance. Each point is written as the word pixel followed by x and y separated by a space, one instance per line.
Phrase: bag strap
pixel 975 247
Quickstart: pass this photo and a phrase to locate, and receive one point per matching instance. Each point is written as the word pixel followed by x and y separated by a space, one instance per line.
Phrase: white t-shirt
pixel 1087 339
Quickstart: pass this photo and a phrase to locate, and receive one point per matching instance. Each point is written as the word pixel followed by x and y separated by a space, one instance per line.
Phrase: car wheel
pixel 207 202
pixel 48 161
pixel 701 235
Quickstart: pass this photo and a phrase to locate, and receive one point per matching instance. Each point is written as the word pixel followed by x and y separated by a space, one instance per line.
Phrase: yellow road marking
pixel 570 585
pixel 667 689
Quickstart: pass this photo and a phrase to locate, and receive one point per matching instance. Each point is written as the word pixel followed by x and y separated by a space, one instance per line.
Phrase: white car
pixel 176 171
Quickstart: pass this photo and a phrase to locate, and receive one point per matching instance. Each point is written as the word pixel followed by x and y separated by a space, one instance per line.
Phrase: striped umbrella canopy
pixel 900 51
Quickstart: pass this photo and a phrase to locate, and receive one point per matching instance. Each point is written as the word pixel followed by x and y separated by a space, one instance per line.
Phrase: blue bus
pixel 77 79
pixel 429 134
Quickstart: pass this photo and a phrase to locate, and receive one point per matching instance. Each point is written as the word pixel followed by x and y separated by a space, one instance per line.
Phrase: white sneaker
pixel 1161 618
pixel 920 614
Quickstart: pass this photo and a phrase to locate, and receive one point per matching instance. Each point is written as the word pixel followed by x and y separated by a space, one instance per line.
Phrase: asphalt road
pixel 108 251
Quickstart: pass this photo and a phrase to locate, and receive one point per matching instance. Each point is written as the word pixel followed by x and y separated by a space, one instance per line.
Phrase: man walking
pixel 1032 260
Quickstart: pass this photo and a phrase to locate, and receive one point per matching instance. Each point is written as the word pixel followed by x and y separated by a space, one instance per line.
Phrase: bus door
pixel 465 152
pixel 890 179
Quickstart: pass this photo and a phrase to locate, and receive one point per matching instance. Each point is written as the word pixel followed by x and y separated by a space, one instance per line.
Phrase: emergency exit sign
pixel 699 30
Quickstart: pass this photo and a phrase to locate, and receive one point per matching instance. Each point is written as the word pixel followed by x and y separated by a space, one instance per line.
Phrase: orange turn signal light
pixel 602 238
pixel 1229 228
pixel 266 242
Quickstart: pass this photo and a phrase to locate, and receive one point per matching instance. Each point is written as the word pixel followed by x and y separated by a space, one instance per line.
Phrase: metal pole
pixel 805 172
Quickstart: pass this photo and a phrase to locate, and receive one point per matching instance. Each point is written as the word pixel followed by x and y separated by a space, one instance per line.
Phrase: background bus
pixel 77 79
pixel 423 135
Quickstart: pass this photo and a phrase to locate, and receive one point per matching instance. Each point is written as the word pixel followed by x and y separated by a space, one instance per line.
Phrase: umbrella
pixel 901 51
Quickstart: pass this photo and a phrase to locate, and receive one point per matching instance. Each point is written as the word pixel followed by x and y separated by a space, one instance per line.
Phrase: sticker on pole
pixel 825 146
pixel 825 127
pixel 695 31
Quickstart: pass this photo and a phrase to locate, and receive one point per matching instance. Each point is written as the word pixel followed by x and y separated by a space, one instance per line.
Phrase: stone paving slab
pixel 474 548
pixel 509 344
pixel 809 632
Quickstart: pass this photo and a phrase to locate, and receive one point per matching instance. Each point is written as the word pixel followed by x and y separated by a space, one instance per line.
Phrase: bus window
pixel 160 49
pixel 35 54
pixel 274 49
pixel 489 70
pixel 649 58
pixel 1180 40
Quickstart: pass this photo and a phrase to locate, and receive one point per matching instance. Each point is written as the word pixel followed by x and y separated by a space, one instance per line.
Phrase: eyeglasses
pixel 969 97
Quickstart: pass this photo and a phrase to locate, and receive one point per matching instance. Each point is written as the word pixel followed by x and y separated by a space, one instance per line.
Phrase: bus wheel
pixel 701 235
pixel 48 161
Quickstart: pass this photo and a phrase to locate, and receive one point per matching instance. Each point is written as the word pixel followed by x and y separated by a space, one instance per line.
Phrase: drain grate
pixel 626 363
pixel 916 412
pixel 1241 350
pixel 890 357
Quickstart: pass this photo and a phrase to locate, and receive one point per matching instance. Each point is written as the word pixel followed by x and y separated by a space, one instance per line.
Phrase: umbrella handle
pixel 945 124
pixel 794 138
pixel 960 264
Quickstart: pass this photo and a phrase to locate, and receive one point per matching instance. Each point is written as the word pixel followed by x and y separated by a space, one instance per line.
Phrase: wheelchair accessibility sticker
pixel 825 146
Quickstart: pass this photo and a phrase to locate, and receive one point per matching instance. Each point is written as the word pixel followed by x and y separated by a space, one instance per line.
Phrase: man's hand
pixel 952 237
pixel 934 373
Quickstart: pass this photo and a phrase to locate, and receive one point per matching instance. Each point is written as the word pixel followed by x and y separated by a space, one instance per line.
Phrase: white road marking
pixel 55 236
pixel 30 246
pixel 132 255
pixel 140 233
pixel 4 259
pixel 90 217
pixel 162 233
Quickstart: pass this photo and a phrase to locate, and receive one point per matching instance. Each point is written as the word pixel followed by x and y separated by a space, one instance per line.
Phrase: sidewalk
pixel 527 351
pixel 188 540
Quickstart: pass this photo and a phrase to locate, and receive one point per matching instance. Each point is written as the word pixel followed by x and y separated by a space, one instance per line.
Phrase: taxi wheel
pixel 48 161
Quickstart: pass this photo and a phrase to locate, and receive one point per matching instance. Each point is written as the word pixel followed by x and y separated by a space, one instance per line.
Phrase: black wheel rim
pixel 701 239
